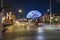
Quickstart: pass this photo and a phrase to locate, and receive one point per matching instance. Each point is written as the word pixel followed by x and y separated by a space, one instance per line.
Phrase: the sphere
pixel 33 14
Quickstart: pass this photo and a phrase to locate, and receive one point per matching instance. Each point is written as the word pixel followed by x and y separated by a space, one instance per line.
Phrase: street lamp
pixel 48 10
pixel 20 10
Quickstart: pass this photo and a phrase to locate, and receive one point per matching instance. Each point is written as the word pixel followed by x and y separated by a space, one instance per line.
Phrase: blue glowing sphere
pixel 33 14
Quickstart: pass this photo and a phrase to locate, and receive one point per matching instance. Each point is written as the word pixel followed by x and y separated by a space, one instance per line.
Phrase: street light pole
pixel 50 12
pixel 20 11
pixel 1 15
pixel 2 7
pixel 1 3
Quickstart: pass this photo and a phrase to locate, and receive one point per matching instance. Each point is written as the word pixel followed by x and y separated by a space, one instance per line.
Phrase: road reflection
pixel 40 34
pixel 40 38
pixel 40 30
pixel 31 33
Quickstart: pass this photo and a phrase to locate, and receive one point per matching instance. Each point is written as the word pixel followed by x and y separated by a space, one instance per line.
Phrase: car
pixel 40 24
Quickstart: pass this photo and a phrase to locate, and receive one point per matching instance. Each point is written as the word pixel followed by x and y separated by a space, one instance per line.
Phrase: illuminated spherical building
pixel 33 14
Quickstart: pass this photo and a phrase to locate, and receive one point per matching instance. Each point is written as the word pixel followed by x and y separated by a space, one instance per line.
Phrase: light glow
pixel 39 30
pixel 20 11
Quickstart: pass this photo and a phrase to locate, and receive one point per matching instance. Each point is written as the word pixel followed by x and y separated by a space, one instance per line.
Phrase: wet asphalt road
pixel 36 33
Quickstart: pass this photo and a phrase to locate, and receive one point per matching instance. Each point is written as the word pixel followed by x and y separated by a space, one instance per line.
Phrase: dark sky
pixel 28 5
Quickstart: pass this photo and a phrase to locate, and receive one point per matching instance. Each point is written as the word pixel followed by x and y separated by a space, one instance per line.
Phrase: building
pixel 45 18
pixel 9 18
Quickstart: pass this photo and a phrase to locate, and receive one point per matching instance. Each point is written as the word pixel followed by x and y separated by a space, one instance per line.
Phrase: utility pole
pixel 50 12
pixel 1 15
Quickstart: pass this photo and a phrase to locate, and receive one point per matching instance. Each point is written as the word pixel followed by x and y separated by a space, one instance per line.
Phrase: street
pixel 32 33
pixel 29 19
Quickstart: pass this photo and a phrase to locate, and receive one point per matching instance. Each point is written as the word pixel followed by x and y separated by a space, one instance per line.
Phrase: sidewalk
pixel 48 26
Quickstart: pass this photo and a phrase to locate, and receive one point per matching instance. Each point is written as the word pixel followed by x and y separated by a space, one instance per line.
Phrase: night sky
pixel 28 5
